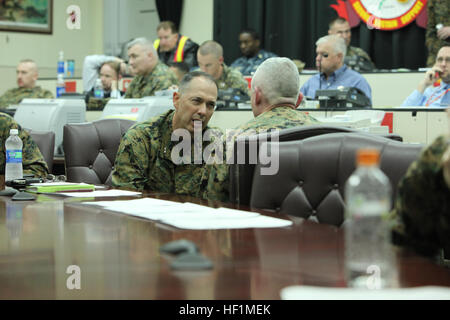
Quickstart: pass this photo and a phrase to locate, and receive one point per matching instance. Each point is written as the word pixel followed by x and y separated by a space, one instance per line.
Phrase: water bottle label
pixel 61 67
pixel 14 156
pixel 59 91
pixel 98 93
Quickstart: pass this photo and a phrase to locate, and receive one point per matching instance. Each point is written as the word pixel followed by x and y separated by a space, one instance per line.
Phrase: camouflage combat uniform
pixel 282 117
pixel 248 65
pixel 144 161
pixel 421 213
pixel 232 78
pixel 161 78
pixel 15 96
pixel 32 159
pixel 96 104
pixel 438 12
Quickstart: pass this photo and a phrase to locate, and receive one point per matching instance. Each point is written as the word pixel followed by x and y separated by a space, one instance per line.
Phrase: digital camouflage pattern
pixel 279 118
pixel 358 52
pixel 32 159
pixel 232 78
pixel 144 161
pixel 248 65
pixel 421 214
pixel 161 78
pixel 438 12
pixel 96 104
pixel 16 95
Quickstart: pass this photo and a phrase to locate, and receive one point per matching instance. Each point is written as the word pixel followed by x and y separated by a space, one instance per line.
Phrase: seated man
pixel 92 66
pixel 147 157
pixel 333 73
pixel 32 160
pixel 249 43
pixel 151 75
pixel 274 97
pixel 422 208
pixel 426 94
pixel 27 74
pixel 210 60
pixel 173 47
pixel 109 77
pixel 356 58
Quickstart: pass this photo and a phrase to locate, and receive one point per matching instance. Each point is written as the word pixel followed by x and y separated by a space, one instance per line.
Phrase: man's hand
pixel 443 33
pixel 431 76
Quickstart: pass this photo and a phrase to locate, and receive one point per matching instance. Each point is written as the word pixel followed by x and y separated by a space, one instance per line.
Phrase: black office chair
pixel 312 174
pixel 91 148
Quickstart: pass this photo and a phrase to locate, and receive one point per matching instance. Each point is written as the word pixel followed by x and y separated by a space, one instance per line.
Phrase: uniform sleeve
pixel 5 99
pixel 218 183
pixel 238 82
pixel 132 161
pixel 421 212
pixel 47 95
pixel 32 159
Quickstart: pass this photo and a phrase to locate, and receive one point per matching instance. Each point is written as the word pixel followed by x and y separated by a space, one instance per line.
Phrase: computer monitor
pixel 50 115
pixel 137 109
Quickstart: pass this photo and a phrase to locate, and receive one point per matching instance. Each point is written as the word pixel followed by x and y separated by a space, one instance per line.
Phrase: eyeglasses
pixel 53 178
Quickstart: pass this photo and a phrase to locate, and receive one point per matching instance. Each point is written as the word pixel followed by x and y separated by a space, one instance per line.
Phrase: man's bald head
pixel 27 74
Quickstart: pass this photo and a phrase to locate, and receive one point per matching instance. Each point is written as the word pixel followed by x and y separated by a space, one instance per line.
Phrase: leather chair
pixel 45 141
pixel 91 148
pixel 241 175
pixel 313 172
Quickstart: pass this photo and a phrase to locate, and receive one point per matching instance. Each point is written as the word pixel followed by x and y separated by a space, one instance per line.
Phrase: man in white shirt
pixel 427 95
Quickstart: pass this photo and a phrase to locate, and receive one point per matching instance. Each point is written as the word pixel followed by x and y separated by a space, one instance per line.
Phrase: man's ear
pixel 221 59
pixel 258 95
pixel 176 99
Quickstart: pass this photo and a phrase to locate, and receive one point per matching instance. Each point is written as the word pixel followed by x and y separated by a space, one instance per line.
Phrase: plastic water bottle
pixel 13 146
pixel 98 89
pixel 61 63
pixel 369 256
pixel 60 85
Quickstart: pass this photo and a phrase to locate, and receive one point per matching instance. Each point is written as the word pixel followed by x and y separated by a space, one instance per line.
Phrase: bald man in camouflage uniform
pixel 27 74
pixel 32 159
pixel 438 13
pixel 210 60
pixel 275 88
pixel 144 160
pixel 151 74
pixel 422 208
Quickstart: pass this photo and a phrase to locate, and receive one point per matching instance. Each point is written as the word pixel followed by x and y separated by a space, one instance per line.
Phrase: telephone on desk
pixel 343 97
pixel 231 97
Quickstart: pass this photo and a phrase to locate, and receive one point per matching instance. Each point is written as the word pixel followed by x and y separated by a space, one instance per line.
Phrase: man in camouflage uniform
pixel 274 96
pixel 27 74
pixel 249 42
pixel 148 159
pixel 151 75
pixel 356 58
pixel 32 159
pixel 438 28
pixel 421 213
pixel 210 60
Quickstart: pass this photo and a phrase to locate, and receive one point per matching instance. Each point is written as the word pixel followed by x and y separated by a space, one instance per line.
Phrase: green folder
pixel 52 187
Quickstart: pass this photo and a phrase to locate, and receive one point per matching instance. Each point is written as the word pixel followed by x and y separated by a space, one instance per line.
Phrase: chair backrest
pixel 91 148
pixel 312 174
pixel 45 141
pixel 241 175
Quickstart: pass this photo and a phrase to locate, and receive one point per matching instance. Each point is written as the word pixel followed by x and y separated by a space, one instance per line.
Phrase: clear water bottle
pixel 369 255
pixel 98 89
pixel 13 146
pixel 61 63
pixel 60 85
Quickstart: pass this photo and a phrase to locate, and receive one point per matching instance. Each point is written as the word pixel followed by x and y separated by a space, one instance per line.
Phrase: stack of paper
pixel 191 216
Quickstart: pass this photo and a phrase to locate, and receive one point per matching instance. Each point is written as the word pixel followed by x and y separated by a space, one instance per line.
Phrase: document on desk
pixel 325 293
pixel 191 216
pixel 100 193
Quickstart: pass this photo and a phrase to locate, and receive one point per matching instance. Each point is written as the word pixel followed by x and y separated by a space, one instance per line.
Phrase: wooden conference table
pixel 118 256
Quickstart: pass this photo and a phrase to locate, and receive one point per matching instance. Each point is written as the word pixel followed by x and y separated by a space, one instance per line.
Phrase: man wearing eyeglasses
pixel 333 72
pixel 356 58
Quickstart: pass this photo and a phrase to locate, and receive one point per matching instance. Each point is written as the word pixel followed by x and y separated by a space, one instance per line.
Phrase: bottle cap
pixel 367 157
pixel 14 131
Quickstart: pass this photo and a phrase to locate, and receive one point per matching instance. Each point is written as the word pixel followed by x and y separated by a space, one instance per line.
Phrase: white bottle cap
pixel 14 131
pixel 439 26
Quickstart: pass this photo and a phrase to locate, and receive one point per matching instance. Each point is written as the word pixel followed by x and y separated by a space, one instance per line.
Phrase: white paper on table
pixel 327 293
pixel 100 193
